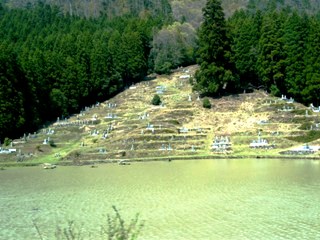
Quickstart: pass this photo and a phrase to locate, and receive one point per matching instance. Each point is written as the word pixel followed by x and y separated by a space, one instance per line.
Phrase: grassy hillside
pixel 121 128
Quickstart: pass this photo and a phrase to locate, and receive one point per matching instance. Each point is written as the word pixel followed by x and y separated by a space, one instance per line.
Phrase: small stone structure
pixel 221 144
pixel 186 76
pixel 284 98
pixel 160 89
pixel 286 109
pixel 183 130
pixel 165 147
pixel 314 109
pixel 111 116
pixel 261 143
pixel 302 150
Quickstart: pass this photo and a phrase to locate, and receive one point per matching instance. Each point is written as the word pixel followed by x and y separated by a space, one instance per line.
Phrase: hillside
pixel 129 127
pixel 188 9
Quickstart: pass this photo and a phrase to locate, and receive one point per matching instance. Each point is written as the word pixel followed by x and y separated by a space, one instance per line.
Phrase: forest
pixel 276 50
pixel 53 63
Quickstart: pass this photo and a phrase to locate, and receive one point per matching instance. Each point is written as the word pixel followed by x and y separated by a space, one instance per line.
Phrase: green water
pixel 214 199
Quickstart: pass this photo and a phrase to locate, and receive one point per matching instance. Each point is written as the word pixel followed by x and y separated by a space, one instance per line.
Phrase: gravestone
pixel 183 130
pixel 291 100
pixel 163 147
pixel 192 148
pixel 105 135
pixel 150 127
pixel 95 132
pixel 283 97
pixel 50 131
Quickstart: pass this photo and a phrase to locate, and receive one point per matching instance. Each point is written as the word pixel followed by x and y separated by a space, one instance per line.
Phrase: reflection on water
pixel 214 199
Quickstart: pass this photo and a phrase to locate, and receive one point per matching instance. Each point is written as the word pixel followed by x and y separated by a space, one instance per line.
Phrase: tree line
pixel 276 50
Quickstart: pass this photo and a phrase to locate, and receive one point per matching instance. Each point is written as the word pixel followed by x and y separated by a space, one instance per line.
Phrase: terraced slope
pixel 130 127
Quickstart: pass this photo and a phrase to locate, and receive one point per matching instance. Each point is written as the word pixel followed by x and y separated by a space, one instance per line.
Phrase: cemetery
pixel 305 149
pixel 261 143
pixel 221 144
pixel 128 127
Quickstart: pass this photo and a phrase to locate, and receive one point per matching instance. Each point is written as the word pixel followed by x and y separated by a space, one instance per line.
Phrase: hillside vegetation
pixel 54 60
pixel 188 9
pixel 129 127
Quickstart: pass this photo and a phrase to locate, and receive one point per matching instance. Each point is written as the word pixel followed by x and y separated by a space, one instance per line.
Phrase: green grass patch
pixel 308 137
pixel 305 126
pixel 301 112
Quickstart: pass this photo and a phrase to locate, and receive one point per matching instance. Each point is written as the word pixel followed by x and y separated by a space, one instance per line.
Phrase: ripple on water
pixel 245 199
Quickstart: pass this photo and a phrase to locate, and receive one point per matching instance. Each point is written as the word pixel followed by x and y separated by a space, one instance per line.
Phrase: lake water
pixel 207 199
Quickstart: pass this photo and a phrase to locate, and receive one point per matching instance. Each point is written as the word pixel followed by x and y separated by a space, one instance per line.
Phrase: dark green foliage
pixel 216 70
pixel 310 90
pixel 206 103
pixel 52 65
pixel 271 57
pixel 7 141
pixel 13 93
pixel 246 33
pixel 296 31
pixel 278 51
pixel 156 100
pixel 52 143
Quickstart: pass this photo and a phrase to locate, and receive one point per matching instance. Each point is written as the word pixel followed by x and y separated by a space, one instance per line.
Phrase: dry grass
pixel 240 117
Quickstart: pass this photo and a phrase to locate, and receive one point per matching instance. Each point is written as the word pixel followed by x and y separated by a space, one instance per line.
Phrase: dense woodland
pixel 276 50
pixel 53 62
pixel 52 65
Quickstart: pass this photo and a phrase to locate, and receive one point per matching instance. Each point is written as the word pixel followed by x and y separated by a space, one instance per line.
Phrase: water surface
pixel 207 199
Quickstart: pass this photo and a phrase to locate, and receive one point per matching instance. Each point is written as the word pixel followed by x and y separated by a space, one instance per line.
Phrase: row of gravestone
pixel 105 133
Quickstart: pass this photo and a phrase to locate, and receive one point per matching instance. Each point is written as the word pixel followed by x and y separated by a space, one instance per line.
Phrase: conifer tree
pixel 216 72
pixel 310 93
pixel 296 32
pixel 246 32
pixel 271 60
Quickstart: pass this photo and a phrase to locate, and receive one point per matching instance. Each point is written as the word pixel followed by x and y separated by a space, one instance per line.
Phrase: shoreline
pixel 163 159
